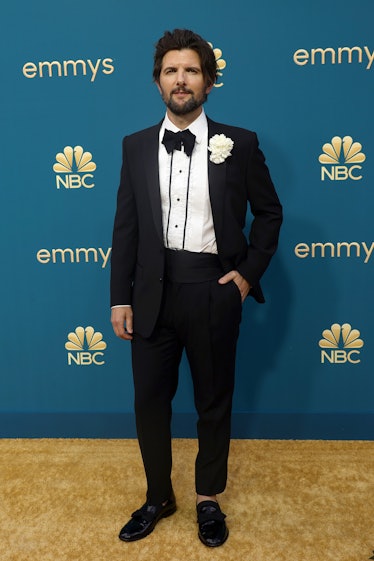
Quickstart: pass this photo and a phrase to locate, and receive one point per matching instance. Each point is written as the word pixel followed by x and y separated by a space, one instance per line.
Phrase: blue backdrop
pixel 76 78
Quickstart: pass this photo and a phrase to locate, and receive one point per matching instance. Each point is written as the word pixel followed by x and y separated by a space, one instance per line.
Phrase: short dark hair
pixel 185 39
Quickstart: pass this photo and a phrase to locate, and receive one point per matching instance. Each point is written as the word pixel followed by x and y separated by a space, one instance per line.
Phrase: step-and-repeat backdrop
pixel 76 77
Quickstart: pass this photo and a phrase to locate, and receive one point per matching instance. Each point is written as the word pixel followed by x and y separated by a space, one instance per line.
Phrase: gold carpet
pixel 65 500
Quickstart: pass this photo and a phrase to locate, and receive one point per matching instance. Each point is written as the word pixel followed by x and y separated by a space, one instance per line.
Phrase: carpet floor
pixel 66 500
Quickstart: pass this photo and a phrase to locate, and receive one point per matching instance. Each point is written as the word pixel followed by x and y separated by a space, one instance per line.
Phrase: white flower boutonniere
pixel 220 147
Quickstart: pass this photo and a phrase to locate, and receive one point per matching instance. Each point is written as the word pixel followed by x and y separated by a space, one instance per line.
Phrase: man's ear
pixel 158 86
pixel 209 87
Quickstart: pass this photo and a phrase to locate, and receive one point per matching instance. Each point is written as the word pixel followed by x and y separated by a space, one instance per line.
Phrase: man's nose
pixel 181 78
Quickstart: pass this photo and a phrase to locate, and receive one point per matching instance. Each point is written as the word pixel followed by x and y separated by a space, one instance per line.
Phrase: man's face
pixel 181 83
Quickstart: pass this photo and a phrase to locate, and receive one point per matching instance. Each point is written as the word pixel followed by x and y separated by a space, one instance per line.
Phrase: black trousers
pixel 203 318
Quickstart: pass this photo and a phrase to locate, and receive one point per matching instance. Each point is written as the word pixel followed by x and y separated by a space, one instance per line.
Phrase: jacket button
pixel 161 279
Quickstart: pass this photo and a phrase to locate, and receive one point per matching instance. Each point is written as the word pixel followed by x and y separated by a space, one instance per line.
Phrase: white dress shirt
pixel 184 187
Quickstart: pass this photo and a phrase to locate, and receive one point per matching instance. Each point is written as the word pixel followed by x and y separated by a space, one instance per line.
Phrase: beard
pixel 194 102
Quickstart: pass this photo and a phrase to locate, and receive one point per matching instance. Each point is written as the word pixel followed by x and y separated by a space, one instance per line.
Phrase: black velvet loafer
pixel 212 527
pixel 143 521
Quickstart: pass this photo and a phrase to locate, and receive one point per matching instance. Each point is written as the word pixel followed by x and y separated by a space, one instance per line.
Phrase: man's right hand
pixel 122 322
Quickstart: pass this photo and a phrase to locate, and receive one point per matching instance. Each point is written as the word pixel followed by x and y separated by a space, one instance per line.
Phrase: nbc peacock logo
pixel 74 168
pixel 340 344
pixel 342 156
pixel 85 346
pixel 221 65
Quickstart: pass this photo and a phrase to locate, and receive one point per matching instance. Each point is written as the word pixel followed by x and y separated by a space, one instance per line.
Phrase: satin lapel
pixel 150 155
pixel 217 183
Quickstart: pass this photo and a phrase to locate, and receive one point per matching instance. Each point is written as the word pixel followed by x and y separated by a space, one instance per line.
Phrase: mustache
pixel 181 89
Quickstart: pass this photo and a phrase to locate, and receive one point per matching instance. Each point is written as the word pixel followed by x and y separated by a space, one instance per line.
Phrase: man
pixel 181 269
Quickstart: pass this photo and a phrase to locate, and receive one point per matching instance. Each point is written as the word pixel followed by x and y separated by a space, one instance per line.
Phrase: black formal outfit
pixel 178 303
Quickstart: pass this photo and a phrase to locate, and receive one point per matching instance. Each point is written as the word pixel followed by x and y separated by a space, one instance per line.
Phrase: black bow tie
pixel 175 140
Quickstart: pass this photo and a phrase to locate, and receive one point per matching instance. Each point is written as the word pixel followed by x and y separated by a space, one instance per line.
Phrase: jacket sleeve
pixel 125 237
pixel 267 217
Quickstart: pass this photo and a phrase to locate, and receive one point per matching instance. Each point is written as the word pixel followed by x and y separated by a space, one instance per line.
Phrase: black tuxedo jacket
pixel 137 261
